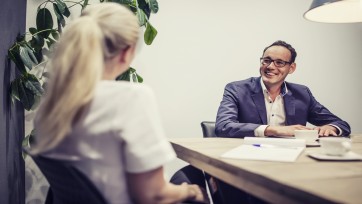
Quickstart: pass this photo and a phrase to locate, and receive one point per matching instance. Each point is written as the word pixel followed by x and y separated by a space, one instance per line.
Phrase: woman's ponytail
pixel 76 68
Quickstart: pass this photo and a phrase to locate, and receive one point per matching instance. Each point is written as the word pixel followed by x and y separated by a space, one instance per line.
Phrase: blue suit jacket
pixel 242 109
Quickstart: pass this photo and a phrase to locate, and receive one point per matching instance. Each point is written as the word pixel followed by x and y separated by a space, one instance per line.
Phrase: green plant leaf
pixel 32 30
pixel 124 76
pixel 26 97
pixel 139 78
pixel 153 5
pixel 133 71
pixel 39 55
pixel 141 17
pixel 59 14
pixel 28 141
pixel 61 5
pixel 150 34
pixel 142 4
pixel 66 12
pixel 133 7
pixel 37 43
pixel 14 55
pixel 44 21
pixel 33 84
pixel 25 57
pixel 63 8
pixel 31 54
pixel 21 93
pixel 55 34
pixel 24 144
pixel 126 2
pixel 85 4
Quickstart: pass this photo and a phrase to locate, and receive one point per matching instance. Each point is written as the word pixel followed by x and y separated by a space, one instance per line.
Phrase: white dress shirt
pixel 119 133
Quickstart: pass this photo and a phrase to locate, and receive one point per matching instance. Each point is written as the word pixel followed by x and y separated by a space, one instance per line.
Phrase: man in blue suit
pixel 269 106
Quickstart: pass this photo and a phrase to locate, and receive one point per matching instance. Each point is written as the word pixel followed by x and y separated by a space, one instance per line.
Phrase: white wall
pixel 204 44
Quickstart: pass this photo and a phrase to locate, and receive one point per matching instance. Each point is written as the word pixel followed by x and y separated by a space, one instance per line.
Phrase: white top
pixel 120 132
pixel 274 109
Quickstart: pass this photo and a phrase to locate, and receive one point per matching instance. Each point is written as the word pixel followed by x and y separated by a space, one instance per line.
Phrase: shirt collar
pixel 283 91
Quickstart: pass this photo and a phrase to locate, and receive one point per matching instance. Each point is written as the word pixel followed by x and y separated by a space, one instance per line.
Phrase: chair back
pixel 208 129
pixel 67 183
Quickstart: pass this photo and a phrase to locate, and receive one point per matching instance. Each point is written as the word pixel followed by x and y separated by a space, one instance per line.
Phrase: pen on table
pixel 273 146
pixel 263 145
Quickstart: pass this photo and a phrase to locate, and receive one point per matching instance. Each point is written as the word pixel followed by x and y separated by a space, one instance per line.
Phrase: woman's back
pixel 107 140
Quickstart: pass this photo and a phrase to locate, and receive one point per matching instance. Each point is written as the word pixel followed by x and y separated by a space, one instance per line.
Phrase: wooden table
pixel 304 181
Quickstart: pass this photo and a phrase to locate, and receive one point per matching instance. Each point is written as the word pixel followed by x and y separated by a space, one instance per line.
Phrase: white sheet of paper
pixel 275 149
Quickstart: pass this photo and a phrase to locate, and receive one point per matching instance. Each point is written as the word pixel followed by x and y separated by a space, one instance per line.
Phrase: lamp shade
pixel 335 11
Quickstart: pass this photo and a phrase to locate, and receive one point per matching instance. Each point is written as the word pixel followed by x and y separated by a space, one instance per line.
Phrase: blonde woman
pixel 111 130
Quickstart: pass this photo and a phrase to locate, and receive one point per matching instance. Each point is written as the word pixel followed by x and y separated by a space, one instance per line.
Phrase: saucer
pixel 313 144
pixel 349 156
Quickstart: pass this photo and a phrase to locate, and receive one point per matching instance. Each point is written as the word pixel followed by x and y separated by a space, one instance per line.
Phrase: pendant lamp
pixel 335 11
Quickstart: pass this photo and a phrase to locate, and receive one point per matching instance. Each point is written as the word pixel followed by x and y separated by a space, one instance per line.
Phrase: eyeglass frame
pixel 273 61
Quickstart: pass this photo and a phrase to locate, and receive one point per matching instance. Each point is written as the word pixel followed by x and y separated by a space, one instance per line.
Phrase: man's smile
pixel 269 73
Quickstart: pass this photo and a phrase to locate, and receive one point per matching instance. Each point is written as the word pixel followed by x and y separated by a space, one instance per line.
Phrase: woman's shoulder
pixel 123 89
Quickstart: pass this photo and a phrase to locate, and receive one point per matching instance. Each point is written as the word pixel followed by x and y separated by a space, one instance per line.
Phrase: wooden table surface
pixel 304 181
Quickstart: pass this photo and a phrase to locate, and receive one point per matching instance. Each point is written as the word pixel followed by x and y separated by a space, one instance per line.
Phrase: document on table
pixel 267 149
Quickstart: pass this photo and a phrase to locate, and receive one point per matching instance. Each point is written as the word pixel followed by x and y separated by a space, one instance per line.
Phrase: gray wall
pixel 12 22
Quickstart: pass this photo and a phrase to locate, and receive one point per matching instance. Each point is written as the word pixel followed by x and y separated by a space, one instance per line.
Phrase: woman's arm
pixel 151 187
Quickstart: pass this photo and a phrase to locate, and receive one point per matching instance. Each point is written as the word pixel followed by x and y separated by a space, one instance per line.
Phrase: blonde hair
pixel 102 32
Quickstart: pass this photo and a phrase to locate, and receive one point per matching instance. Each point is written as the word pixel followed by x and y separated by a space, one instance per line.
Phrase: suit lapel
pixel 258 99
pixel 289 106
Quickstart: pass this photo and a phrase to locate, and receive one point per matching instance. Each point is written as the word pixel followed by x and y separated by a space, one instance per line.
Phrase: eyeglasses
pixel 278 63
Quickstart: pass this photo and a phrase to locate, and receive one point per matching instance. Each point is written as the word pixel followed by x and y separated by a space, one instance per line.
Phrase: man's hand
pixel 326 130
pixel 284 130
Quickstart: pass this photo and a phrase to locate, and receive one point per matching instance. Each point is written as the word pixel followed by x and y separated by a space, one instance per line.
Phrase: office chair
pixel 208 130
pixel 67 183
pixel 190 175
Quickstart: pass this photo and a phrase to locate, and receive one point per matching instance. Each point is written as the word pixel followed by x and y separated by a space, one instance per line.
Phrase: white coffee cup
pixel 310 136
pixel 336 146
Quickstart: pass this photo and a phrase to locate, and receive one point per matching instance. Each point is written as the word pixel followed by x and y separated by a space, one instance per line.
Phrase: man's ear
pixel 293 67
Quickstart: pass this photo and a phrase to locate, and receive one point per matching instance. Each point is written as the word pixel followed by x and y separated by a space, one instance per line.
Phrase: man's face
pixel 274 76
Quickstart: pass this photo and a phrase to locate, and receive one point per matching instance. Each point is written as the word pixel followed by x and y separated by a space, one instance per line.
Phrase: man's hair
pixel 286 45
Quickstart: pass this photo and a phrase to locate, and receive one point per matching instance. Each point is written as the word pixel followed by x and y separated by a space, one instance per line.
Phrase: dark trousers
pixel 231 195
pixel 226 194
